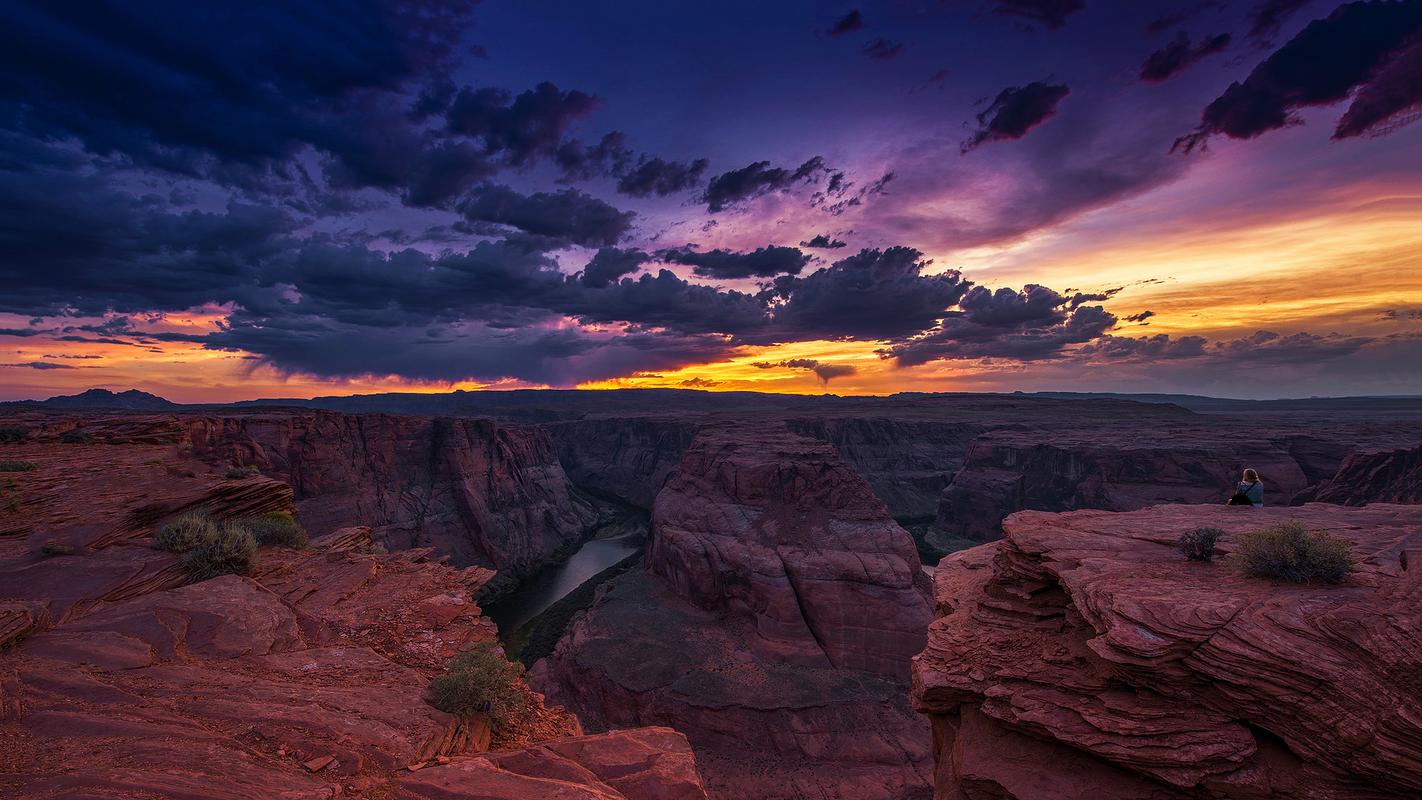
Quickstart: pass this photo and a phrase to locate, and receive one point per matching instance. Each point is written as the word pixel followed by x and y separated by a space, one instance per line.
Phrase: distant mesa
pixel 131 400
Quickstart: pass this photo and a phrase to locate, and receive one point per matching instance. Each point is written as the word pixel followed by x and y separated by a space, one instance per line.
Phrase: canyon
pixel 761 647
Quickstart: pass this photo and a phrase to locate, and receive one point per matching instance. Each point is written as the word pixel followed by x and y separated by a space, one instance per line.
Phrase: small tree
pixel 228 552
pixel 1289 551
pixel 481 680
pixel 1199 544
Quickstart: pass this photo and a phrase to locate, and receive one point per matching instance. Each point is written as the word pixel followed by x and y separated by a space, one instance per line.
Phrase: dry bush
pixel 228 552
pixel 16 466
pixel 14 434
pixel 1199 544
pixel 236 473
pixel 185 533
pixel 1289 551
pixel 76 436
pixel 276 527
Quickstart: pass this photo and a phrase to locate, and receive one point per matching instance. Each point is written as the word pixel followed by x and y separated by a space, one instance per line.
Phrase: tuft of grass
pixel 16 466
pixel 277 528
pixel 185 533
pixel 238 472
pixel 13 434
pixel 481 681
pixel 228 552
pixel 76 436
pixel 1289 551
pixel 1199 544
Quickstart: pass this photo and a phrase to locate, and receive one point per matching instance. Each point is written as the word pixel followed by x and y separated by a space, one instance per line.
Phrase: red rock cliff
pixel 479 492
pixel 1082 657
pixel 773 626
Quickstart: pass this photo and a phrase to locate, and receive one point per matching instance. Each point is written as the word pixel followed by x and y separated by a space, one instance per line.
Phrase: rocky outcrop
pixel 773 626
pixel 1387 476
pixel 304 679
pixel 1007 471
pixel 479 492
pixel 1082 656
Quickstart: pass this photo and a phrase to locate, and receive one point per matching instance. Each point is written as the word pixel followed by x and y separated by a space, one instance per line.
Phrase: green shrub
pixel 276 527
pixel 16 466
pixel 1289 551
pixel 13 434
pixel 1199 544
pixel 76 436
pixel 238 472
pixel 228 552
pixel 185 533
pixel 481 680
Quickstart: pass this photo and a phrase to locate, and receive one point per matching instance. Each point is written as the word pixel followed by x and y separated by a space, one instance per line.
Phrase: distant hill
pixel 131 400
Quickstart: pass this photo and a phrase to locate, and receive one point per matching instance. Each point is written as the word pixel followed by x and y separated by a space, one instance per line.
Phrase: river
pixel 554 583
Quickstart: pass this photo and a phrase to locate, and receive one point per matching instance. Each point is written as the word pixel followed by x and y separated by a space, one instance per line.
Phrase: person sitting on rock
pixel 1248 492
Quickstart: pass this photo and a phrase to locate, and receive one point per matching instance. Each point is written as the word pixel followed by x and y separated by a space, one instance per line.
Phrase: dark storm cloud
pixel 1015 111
pixel 71 241
pixel 1154 348
pixel 246 83
pixel 25 332
pixel 850 22
pixel 567 215
pixel 825 372
pixel 40 365
pixel 729 188
pixel 1179 56
pixel 763 262
pixel 1031 324
pixel 1050 14
pixel 610 264
pixel 655 176
pixel 872 295
pixel 666 301
pixel 558 356
pixel 529 125
pixel 1369 47
pixel 1266 18
pixel 444 172
pixel 882 49
pixel 580 161
pixel 823 241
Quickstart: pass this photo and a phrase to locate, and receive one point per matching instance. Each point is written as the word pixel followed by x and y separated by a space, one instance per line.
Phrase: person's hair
pixel 1251 475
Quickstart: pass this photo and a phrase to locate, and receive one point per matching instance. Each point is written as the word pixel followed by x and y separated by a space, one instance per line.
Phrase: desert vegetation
pixel 239 472
pixel 225 547
pixel 16 466
pixel 1199 544
pixel 13 434
pixel 76 436
pixel 481 681
pixel 1290 551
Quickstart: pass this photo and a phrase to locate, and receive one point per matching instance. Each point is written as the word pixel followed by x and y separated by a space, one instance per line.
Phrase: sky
pixel 225 201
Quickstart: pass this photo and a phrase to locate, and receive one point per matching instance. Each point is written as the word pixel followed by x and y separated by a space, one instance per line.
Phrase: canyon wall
pixel 1082 656
pixel 1386 476
pixel 773 625
pixel 477 491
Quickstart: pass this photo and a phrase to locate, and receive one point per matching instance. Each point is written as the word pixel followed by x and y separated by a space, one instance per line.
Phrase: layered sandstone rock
pixel 304 679
pixel 1082 656
pixel 628 458
pixel 773 626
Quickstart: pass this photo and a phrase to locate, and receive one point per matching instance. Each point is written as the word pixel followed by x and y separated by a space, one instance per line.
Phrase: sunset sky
pixel 225 201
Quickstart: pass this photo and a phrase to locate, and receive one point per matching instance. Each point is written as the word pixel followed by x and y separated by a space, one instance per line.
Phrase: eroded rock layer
pixel 1082 656
pixel 773 625
pixel 305 678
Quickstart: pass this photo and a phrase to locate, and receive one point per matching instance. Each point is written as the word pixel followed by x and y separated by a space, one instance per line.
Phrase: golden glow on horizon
pixel 1334 266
